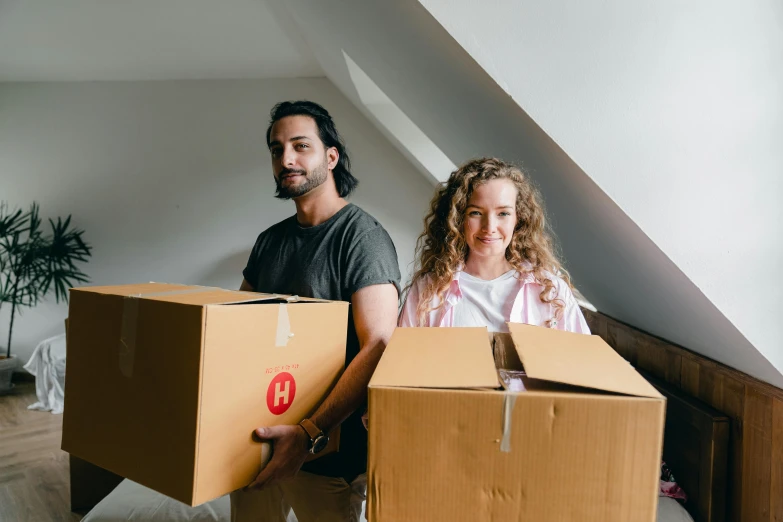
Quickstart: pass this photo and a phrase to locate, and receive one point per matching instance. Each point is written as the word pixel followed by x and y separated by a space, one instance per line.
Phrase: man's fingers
pixel 261 480
pixel 268 433
pixel 288 453
pixel 267 475
pixel 258 484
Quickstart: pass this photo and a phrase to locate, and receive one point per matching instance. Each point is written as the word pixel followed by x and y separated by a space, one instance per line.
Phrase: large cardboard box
pixel 582 443
pixel 166 383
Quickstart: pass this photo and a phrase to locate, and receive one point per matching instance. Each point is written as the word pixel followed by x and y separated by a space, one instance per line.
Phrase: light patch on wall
pixel 411 141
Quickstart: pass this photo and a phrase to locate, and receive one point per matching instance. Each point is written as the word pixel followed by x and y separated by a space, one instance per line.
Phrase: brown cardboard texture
pixel 166 383
pixel 583 442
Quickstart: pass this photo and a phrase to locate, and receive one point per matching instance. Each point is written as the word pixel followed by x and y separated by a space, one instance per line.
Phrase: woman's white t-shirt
pixel 486 303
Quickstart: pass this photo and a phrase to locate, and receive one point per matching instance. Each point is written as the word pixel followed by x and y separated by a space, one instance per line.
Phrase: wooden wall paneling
pixel 731 394
pixel 710 385
pixel 689 377
pixel 672 362
pixel 596 324
pixel 776 486
pixel 720 467
pixel 756 457
pixel 621 340
pixel 653 357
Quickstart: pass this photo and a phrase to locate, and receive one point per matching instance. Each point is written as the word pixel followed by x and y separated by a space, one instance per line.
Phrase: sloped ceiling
pixel 431 78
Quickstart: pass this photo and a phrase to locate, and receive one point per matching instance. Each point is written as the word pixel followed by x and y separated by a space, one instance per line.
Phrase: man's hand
pixel 289 451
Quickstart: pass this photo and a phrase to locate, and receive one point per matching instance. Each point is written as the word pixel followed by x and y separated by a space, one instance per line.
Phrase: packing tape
pixel 130 319
pixel 283 334
pixel 508 413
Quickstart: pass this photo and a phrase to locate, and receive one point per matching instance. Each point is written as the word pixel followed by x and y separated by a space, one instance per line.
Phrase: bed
pixel 695 448
pixel 132 502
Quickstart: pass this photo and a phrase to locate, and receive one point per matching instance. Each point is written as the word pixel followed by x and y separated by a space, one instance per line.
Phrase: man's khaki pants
pixel 313 498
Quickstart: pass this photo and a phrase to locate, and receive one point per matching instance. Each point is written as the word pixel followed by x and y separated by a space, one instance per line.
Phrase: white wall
pixel 675 109
pixel 95 40
pixel 171 180
pixel 419 66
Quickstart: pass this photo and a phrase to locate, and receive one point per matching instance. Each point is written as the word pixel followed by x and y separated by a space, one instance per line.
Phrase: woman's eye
pixel 505 214
pixel 474 213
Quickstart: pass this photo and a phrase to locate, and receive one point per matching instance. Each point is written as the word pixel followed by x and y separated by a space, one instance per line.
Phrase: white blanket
pixel 133 502
pixel 48 365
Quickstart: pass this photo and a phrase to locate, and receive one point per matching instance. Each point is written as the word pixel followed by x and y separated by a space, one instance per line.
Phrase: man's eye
pixel 274 152
pixel 302 146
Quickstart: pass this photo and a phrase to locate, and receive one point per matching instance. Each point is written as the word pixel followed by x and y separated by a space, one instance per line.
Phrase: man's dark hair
pixel 343 178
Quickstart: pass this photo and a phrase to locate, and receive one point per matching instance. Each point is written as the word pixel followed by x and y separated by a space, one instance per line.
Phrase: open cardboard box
pixel 582 443
pixel 166 383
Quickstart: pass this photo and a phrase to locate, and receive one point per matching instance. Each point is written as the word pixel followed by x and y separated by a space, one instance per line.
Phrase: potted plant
pixel 33 262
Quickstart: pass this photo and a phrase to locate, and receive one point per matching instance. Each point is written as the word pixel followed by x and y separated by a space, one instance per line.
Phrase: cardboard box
pixel 166 383
pixel 583 443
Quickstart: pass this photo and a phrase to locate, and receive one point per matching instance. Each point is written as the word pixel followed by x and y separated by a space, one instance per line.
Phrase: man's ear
pixel 332 155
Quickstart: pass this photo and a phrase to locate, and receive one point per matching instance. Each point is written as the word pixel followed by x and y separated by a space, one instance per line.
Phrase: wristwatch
pixel 318 439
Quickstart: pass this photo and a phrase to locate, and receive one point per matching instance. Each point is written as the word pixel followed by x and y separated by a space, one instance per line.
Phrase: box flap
pixel 576 359
pixel 186 294
pixel 142 288
pixel 437 358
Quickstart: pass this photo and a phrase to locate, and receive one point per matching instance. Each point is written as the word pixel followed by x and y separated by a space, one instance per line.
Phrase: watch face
pixel 319 444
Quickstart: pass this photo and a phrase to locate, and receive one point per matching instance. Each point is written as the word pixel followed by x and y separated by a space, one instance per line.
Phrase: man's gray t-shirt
pixel 333 260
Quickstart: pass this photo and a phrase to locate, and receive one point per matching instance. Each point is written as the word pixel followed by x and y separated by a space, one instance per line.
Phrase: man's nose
pixel 288 158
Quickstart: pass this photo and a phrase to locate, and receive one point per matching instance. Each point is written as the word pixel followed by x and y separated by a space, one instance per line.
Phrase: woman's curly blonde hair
pixel 441 249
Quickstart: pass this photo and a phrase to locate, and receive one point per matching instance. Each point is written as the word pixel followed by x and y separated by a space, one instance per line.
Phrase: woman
pixel 486 256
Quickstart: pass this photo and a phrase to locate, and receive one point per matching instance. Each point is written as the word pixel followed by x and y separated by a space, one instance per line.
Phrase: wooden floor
pixel 34 483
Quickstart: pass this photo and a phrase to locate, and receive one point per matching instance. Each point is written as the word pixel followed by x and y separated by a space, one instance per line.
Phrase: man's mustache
pixel 286 172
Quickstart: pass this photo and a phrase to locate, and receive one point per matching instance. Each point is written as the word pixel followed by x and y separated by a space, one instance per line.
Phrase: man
pixel 330 249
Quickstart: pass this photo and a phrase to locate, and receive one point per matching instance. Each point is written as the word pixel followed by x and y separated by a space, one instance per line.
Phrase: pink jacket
pixel 527 307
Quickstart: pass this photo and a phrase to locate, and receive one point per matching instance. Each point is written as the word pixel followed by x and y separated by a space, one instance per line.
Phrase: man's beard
pixel 314 179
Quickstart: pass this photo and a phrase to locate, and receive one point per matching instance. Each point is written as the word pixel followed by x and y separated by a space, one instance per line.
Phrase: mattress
pixel 133 502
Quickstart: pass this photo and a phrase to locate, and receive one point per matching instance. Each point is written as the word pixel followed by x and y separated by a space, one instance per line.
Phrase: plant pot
pixel 7 367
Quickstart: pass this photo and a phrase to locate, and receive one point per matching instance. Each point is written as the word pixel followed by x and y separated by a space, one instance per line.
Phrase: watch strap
pixel 311 429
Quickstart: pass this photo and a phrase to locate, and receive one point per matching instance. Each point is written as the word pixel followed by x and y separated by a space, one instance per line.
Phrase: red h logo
pixel 281 392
